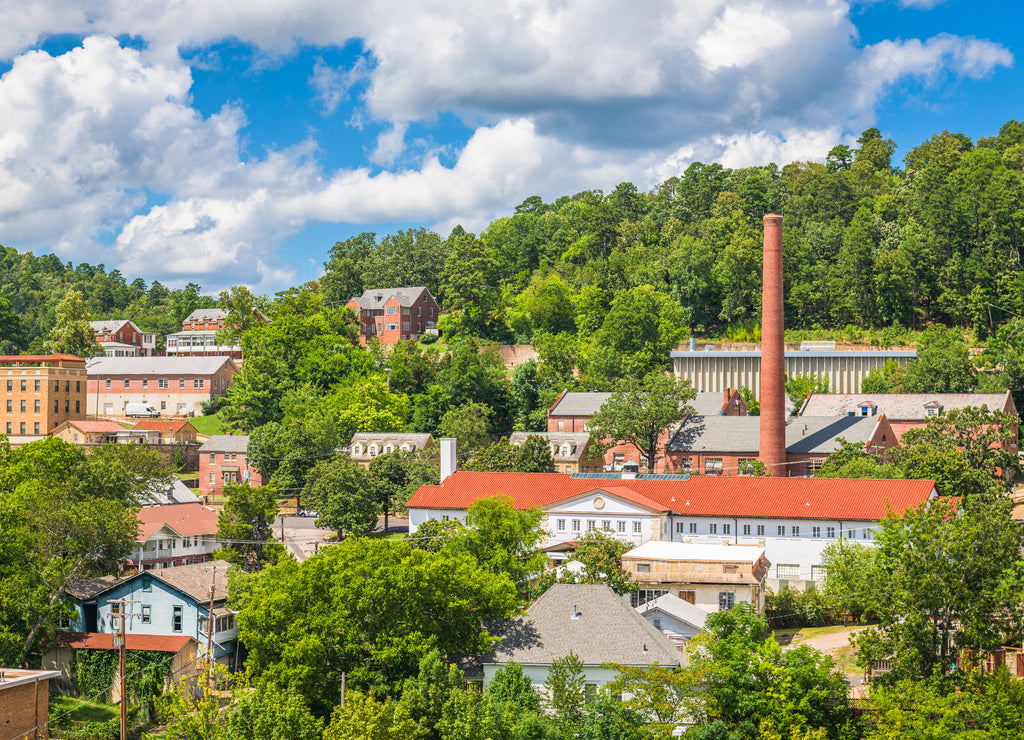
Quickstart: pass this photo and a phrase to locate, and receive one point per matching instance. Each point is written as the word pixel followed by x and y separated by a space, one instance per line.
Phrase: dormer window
pixel 932 409
pixel 388 449
pixel 372 450
pixel 866 408
pixel 357 450
pixel 405 447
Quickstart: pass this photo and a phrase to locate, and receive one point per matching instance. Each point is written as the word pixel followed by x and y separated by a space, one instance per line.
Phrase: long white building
pixel 793 519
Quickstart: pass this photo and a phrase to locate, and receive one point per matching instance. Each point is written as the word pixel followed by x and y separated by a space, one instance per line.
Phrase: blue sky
pixel 183 140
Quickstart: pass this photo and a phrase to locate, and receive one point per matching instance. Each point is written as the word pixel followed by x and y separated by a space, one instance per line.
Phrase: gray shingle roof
pixel 195 579
pixel 214 314
pixel 226 443
pixel 405 296
pixel 580 403
pixel 156 365
pixel 396 439
pixel 578 440
pixel 606 630
pixel 743 433
pixel 900 406
pixel 109 324
pixel 175 492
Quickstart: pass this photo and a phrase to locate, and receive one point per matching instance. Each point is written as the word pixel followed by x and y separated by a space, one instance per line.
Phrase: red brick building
pixel 175 386
pixel 571 412
pixel 122 338
pixel 223 460
pixel 198 335
pixel 392 315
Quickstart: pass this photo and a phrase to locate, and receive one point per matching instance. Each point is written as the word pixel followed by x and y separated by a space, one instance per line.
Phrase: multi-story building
pixel 367 445
pixel 223 460
pixel 198 335
pixel 792 519
pixel 569 450
pixel 176 386
pixel 39 393
pixel 122 338
pixel 392 315
pixel 174 534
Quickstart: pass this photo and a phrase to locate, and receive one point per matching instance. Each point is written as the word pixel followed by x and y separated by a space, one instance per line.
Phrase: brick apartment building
pixel 395 314
pixel 223 460
pixel 198 335
pixel 39 393
pixel 175 386
pixel 122 338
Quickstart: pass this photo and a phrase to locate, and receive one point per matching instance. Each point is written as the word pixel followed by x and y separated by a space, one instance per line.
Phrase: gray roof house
pixel 679 620
pixel 806 434
pixel 377 297
pixel 902 406
pixel 592 621
pixel 367 445
pixel 226 443
pixel 567 449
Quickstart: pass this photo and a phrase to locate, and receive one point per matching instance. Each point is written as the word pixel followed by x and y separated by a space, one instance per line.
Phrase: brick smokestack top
pixel 773 374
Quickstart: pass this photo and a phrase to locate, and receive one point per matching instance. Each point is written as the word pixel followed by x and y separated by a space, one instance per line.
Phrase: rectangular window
pixel 176 619
pixel 10 385
pixel 746 530
pixel 162 383
pixel 606 525
pixel 22 404
pixel 643 567
pixel 67 405
pixel 213 458
pixel 405 326
pixel 163 405
pixel 688 596
pixel 23 386
pixel 618 458
pixel 213 479
pixel 35 386
pixel 145 382
pixel 78 407
pixel 10 406
pixel 713 528
pixel 680 527
pixel 787 572
pixel 126 384
pixel 780 530
pixel 849 534
pixel 866 534
pixel 575 525
pixel 56 405
pixel 108 383
pixel 637 528
pixel 726 529
pixel 78 386
pixel 713 466
pixel 147 613
pixel 590 524
pixel 198 383
pixel 561 525
pixel 815 531
pixel 35 428
pixel 391 310
pixel 181 383
pixel 796 531
pixel 831 532
pixel 8 427
pixel 814 465
pixel 620 526
pixel 726 600
pixel 760 530
pixel 67 386
pixel 686 465
pixel 818 573
pixel 561 425
pixel 36 406
pixel 693 527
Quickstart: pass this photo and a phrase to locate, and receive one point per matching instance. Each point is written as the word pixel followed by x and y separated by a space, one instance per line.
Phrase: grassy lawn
pixel 786 635
pixel 209 425
pixel 81 710
pixel 188 476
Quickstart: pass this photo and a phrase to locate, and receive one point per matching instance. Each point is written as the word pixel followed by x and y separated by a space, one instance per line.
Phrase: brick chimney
pixel 773 373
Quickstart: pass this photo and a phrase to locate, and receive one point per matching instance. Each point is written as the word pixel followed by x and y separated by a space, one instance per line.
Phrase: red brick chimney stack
pixel 773 373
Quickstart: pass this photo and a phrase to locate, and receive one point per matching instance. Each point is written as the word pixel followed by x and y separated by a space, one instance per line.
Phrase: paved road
pixel 304 538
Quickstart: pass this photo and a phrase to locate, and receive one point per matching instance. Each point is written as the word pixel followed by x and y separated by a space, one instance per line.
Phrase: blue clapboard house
pixel 167 602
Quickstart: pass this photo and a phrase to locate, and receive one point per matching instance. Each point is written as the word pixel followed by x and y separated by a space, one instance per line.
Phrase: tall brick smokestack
pixel 773 373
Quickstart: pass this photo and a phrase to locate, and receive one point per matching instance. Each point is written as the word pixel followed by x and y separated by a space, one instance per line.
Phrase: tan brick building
pixel 24 703
pixel 39 393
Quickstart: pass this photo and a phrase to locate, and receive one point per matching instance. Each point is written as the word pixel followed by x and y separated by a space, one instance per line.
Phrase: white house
pixel 792 519
pixel 679 620
pixel 173 535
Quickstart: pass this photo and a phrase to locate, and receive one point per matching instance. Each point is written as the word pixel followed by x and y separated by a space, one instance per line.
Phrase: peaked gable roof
pixel 377 297
pixel 226 443
pixel 672 605
pixel 185 519
pixel 152 425
pixel 92 427
pixel 743 433
pixel 191 580
pixel 704 495
pixel 110 325
pixel 591 621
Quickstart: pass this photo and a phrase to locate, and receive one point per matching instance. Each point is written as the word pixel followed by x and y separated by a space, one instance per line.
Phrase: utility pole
pixel 122 650
pixel 209 627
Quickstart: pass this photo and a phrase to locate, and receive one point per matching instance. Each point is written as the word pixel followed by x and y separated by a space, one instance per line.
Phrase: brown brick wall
pixel 17 715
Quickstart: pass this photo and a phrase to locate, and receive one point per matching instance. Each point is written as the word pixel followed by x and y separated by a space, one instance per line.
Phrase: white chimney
pixel 447 457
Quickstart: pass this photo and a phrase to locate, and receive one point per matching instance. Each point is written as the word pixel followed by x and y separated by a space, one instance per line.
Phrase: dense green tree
pixel 371 608
pixel 71 333
pixel 242 308
pixel 940 576
pixel 532 456
pixel 565 694
pixel 800 386
pixel 365 718
pixel 269 714
pixel 245 526
pixel 599 556
pixel 640 411
pixel 471 425
pixel 340 491
pixel 394 478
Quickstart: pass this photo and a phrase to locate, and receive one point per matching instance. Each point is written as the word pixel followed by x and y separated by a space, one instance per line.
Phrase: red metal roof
pixel 95 426
pixel 104 641
pixel 773 498
pixel 161 426
pixel 185 519
pixel 40 358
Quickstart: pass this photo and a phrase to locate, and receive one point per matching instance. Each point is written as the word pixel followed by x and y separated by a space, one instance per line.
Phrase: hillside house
pixel 393 315
pixel 222 459
pixel 198 335
pixel 122 338
pixel 174 534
